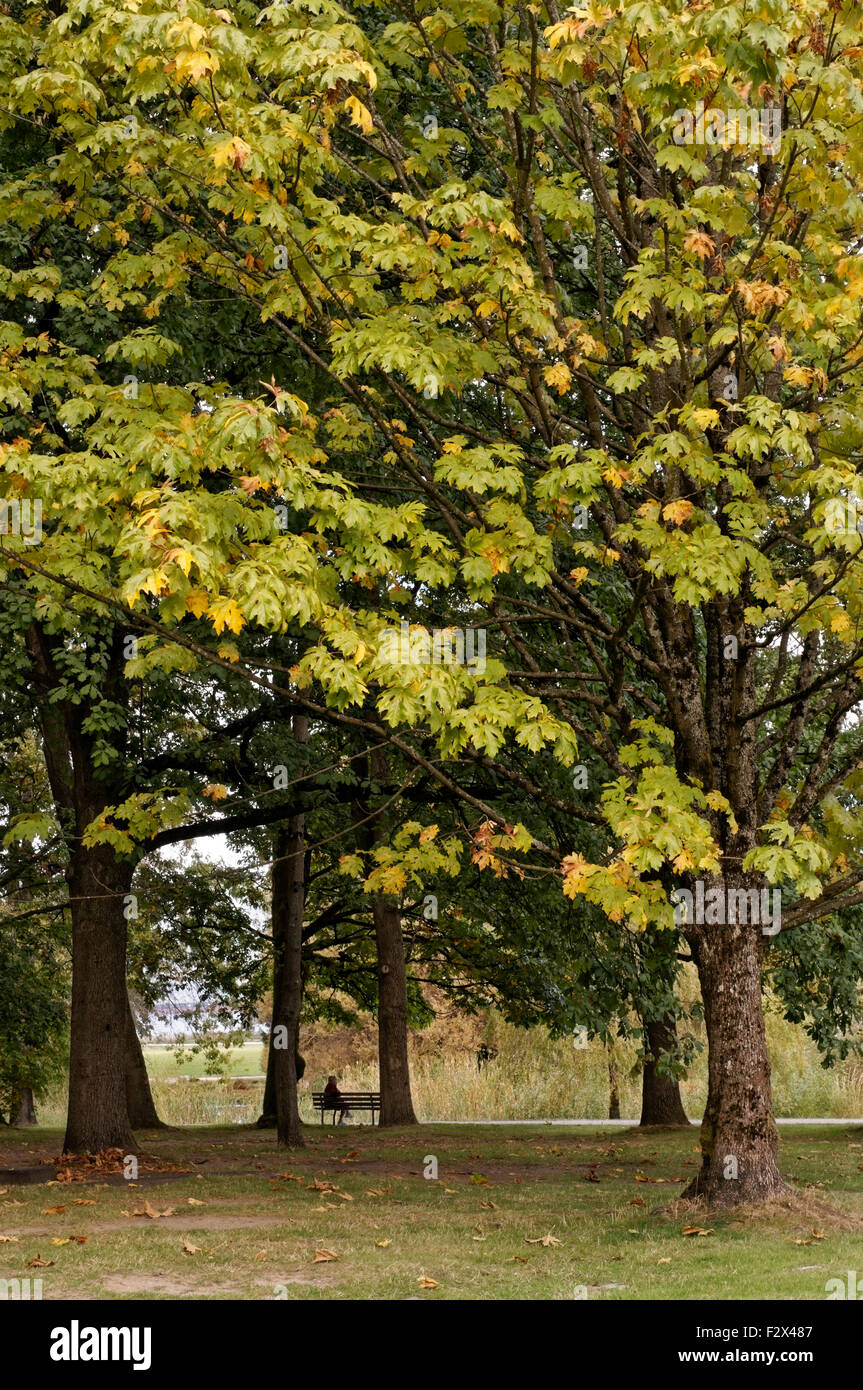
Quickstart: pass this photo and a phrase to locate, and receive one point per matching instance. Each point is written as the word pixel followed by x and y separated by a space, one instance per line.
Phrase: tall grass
pixel 533 1077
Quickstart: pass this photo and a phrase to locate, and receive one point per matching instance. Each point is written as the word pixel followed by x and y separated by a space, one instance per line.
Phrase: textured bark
pixel 739 1140
pixel 97 1117
pixel 98 882
pixel 22 1111
pixel 140 1105
pixel 660 1094
pixel 613 1091
pixel 267 1117
pixel 287 917
pixel 395 1077
pixel 396 1102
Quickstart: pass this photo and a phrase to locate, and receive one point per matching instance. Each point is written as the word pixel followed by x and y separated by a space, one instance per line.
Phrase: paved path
pixel 625 1124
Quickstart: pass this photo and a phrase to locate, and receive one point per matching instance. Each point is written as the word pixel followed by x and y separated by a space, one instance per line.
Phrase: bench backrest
pixel 354 1097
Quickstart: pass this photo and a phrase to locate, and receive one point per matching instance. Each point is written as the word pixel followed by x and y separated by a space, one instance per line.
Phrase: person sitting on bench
pixel 333 1099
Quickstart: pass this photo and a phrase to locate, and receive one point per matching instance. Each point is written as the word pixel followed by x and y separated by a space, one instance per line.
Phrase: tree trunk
pixel 739 1140
pixel 396 1103
pixel 288 906
pixel 98 882
pixel 613 1083
pixel 660 1094
pixel 395 1077
pixel 140 1106
pixel 267 1117
pixel 22 1111
pixel 97 1118
pixel 287 915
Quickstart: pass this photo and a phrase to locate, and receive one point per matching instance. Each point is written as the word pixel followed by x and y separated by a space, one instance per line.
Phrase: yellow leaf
pixel 559 376
pixel 216 792
pixel 226 613
pixel 425 1283
pixel 700 243
pixel 359 114
pixel 678 511
pixel 233 151
pixel 797 376
pixel 195 64
pixel 382 1244
pixel 183 558
pixel 323 1256
pixel 488 306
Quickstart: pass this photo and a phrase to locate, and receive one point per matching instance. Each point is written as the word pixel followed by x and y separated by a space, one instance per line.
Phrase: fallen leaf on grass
pixel 382 1244
pixel 8 1240
pixel 520 1259
pixel 665 1261
pixel 638 1202
pixel 84 1202
pixel 542 1240
pixel 39 1263
pixel 322 1256
pixel 375 1192
pixel 478 1179
pixel 452 1191
pixel 489 1205
pixel 261 1255
pixel 289 1177
pixel 697 1231
pixel 191 1249
pixel 193 1202
pixel 425 1283
pixel 150 1211
pixel 53 1211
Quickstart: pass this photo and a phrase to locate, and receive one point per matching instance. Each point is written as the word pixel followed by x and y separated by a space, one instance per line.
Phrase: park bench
pixel 350 1100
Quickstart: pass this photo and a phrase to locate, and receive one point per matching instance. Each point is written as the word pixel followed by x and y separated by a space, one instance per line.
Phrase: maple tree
pixel 566 378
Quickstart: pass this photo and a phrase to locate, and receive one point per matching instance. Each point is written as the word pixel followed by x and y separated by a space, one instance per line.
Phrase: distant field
pixel 239 1061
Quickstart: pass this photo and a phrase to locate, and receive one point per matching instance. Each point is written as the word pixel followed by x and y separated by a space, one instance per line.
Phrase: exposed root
pixel 798 1205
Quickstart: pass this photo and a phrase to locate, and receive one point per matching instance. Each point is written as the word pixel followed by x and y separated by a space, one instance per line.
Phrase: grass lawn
pixel 241 1228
